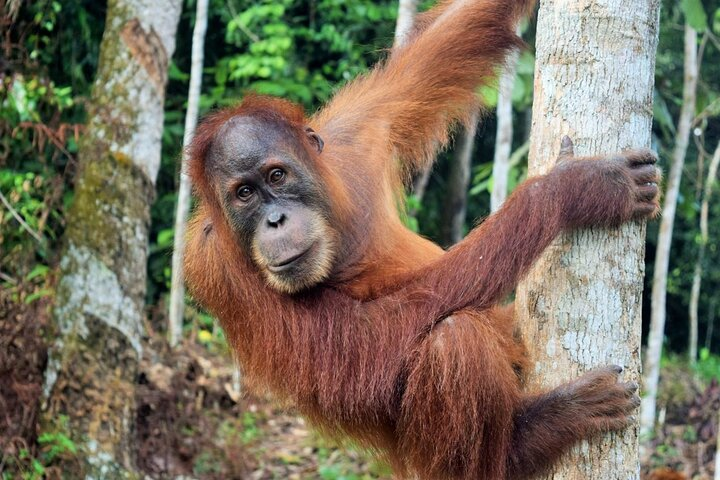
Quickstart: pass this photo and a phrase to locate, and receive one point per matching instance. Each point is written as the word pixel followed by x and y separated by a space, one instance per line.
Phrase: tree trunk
pixel 504 135
pixel 407 9
pixel 662 255
pixel 580 305
pixel 455 202
pixel 101 290
pixel 704 237
pixel 420 184
pixel 177 287
pixel 710 322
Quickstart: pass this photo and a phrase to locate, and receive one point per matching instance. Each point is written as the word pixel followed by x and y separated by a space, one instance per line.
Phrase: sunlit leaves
pixel 695 14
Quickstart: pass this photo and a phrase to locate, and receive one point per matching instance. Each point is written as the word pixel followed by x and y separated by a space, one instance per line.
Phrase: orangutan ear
pixel 315 139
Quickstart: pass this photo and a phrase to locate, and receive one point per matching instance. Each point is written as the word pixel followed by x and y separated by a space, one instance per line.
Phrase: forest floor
pixel 192 421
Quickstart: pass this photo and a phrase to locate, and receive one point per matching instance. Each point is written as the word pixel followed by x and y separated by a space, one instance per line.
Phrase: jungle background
pixel 194 418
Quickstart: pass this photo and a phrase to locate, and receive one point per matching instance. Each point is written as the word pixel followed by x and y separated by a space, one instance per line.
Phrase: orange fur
pixel 665 474
pixel 404 347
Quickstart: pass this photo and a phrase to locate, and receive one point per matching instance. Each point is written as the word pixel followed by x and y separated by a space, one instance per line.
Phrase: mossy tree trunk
pixel 101 289
pixel 580 305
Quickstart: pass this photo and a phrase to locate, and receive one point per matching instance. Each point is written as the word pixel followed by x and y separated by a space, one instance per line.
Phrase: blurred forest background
pixel 192 417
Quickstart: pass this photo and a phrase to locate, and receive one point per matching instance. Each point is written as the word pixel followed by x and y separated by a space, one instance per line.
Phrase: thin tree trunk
pixel 177 287
pixel 579 307
pixel 711 322
pixel 407 9
pixel 99 306
pixel 504 136
pixel 704 237
pixel 455 202
pixel 662 256
pixel 420 184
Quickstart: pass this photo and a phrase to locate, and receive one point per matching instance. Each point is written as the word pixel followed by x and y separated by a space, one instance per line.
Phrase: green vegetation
pixel 303 51
pixel 54 444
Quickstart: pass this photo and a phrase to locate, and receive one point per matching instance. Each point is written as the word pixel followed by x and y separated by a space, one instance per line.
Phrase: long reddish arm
pixel 484 268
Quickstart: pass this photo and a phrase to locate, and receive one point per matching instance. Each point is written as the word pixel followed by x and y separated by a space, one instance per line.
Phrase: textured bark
pixel 662 256
pixel 100 294
pixel 704 237
pixel 580 305
pixel 504 135
pixel 455 201
pixel 177 288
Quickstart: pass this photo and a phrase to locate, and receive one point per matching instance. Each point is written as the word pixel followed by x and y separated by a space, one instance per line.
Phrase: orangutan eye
pixel 244 192
pixel 276 175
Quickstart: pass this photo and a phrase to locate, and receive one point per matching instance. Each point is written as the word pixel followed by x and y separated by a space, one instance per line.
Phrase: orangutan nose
pixel 275 219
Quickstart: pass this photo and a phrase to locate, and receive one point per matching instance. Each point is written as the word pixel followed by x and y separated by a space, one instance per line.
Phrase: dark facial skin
pixel 273 201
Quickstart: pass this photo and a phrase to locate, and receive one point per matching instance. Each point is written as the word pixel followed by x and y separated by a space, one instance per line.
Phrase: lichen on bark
pixel 580 305
pixel 101 289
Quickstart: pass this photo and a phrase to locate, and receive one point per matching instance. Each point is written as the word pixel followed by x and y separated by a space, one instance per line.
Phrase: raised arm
pixel 427 85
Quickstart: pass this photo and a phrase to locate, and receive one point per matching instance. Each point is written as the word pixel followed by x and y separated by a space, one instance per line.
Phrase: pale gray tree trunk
pixel 177 286
pixel 704 237
pixel 421 182
pixel 579 307
pixel 407 9
pixel 504 135
pixel 99 307
pixel 662 255
pixel 710 321
pixel 455 201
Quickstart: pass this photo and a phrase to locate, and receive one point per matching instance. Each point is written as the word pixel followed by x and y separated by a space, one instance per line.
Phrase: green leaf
pixel 39 270
pixel 695 14
pixel 490 95
pixel 526 64
pixel 269 88
pixel 518 91
pixel 38 467
pixel 165 238
pixel 330 472
pixel 45 292
pixel 662 114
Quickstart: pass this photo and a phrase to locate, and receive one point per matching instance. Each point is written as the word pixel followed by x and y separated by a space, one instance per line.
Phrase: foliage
pixel 707 366
pixel 41 116
pixel 303 51
pixel 55 445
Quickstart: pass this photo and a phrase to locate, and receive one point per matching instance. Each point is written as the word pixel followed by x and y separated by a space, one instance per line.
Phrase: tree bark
pixel 704 237
pixel 455 201
pixel 177 287
pixel 662 255
pixel 101 290
pixel 504 135
pixel 579 307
